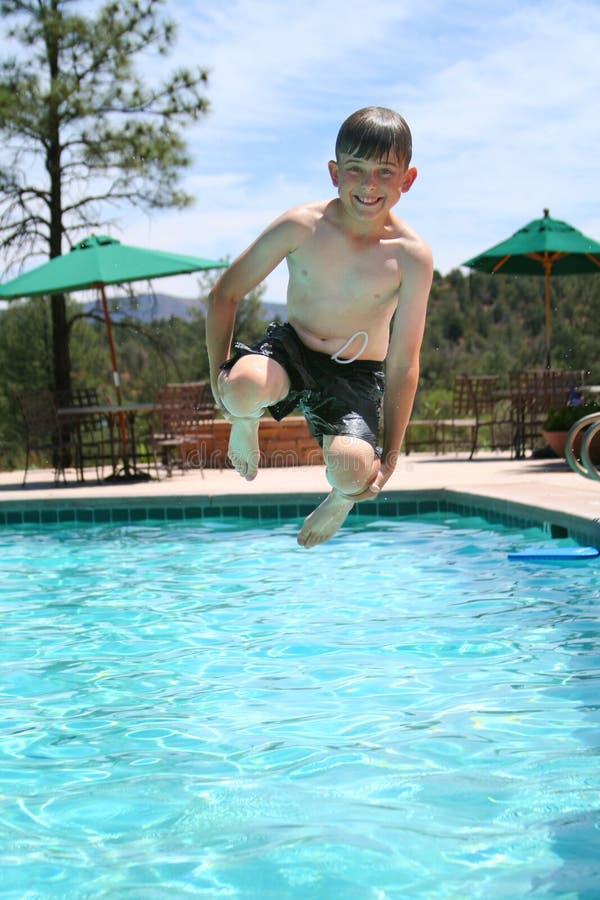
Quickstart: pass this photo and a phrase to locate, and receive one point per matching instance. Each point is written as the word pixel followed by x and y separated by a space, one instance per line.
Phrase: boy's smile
pixel 368 201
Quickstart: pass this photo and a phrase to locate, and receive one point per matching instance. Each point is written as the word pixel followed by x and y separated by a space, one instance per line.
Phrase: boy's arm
pixel 242 276
pixel 402 361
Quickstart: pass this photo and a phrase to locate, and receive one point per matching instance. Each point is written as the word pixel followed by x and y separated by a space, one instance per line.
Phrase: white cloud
pixel 509 130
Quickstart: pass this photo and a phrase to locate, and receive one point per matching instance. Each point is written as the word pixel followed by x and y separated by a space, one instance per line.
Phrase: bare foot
pixel 243 448
pixel 327 518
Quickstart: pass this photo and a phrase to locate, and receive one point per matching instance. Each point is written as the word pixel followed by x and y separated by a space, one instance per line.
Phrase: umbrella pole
pixel 547 271
pixel 116 379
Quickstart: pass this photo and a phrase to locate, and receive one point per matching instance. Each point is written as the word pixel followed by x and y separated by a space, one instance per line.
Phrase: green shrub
pixel 561 418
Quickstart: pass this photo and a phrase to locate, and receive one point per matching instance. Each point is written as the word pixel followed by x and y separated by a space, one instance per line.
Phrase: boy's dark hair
pixel 375 133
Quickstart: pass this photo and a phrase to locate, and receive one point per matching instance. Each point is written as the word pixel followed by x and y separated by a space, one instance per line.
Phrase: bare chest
pixel 346 272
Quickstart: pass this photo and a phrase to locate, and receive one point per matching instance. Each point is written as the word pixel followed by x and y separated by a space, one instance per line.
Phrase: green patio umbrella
pixel 543 247
pixel 94 263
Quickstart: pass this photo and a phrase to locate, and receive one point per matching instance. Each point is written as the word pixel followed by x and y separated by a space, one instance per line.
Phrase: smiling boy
pixel 353 266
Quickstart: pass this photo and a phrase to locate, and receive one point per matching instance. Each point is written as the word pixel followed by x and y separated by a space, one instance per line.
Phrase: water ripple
pixel 207 710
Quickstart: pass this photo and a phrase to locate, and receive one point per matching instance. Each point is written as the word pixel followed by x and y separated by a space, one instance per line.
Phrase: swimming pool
pixel 205 709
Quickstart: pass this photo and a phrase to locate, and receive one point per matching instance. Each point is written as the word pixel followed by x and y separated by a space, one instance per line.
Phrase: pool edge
pixel 395 503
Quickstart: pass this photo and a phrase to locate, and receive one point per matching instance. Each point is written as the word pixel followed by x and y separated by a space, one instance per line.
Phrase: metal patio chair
pixel 182 425
pixel 91 432
pixel 533 393
pixel 43 431
pixel 475 411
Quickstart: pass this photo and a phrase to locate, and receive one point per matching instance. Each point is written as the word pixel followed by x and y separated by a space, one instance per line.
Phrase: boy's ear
pixel 409 179
pixel 333 171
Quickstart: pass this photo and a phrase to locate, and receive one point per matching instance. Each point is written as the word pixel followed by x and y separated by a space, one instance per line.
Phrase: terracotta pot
pixel 556 441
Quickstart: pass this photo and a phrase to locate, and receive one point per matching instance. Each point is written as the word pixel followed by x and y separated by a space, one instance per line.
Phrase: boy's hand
pixel 373 490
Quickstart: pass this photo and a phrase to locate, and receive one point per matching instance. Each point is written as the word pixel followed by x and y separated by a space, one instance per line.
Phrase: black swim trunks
pixel 335 399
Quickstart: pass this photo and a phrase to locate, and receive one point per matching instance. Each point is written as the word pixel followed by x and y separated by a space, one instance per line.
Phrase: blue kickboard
pixel 556 553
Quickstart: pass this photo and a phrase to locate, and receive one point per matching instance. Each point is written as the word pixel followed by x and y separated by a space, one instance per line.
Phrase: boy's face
pixel 370 187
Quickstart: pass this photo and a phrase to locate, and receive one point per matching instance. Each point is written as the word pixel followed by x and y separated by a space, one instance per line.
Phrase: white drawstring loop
pixel 344 362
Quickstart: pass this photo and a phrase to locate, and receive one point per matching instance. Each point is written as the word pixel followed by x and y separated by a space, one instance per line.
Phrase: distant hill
pixel 147 307
pixel 151 307
pixel 273 310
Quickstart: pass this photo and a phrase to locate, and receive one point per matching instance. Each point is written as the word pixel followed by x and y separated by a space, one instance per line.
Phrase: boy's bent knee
pixel 351 464
pixel 251 384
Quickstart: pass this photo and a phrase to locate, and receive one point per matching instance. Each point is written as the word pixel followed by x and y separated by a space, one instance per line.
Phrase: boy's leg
pixel 253 383
pixel 351 466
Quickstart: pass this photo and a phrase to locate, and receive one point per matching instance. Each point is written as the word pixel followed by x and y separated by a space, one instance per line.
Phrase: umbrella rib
pixel 593 259
pixel 501 262
pixel 546 259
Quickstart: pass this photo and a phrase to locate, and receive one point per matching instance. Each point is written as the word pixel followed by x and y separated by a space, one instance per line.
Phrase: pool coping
pixel 284 506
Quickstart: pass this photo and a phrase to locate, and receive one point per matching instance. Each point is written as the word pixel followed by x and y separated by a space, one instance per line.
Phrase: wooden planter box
pixel 286 443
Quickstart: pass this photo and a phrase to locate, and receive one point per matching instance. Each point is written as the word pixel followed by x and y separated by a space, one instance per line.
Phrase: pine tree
pixel 82 131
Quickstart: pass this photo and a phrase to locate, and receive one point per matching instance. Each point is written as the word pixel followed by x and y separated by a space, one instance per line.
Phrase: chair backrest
pixel 483 394
pixel 473 395
pixel 77 397
pixel 541 389
pixel 183 407
pixel 40 416
pixel 561 383
pixel 462 404
pixel 92 422
pixel 84 397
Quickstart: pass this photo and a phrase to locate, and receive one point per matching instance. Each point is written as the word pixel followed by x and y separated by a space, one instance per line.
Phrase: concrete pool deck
pixel 545 489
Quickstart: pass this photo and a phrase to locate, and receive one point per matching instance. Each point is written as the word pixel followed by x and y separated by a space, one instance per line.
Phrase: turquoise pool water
pixel 206 710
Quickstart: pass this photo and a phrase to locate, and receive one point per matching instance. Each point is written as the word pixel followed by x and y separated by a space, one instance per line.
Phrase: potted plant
pixel 560 419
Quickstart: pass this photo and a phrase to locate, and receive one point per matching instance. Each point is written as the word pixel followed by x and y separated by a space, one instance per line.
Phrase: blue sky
pixel 502 99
